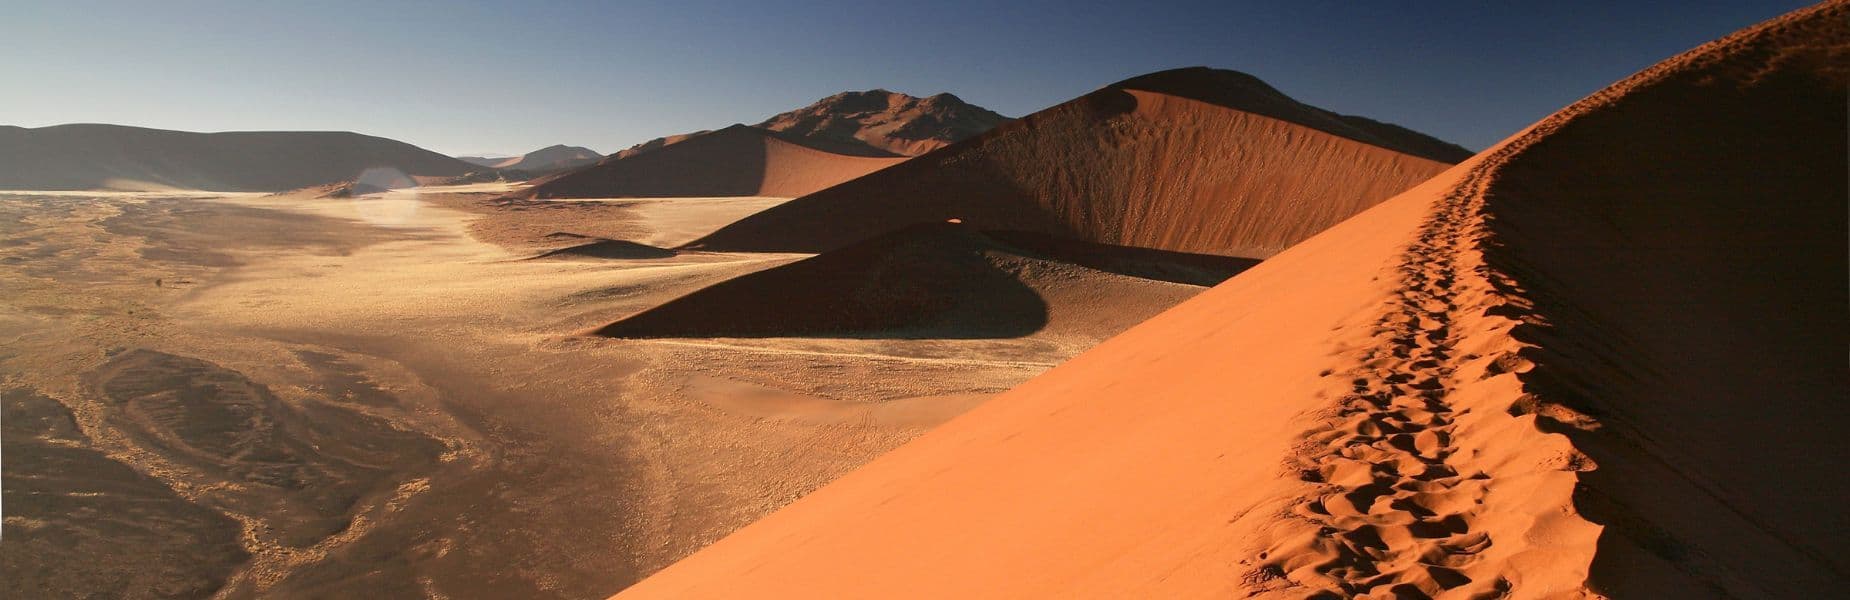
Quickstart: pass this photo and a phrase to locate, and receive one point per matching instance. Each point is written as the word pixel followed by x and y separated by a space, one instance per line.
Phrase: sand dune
pixel 657 144
pixel 735 161
pixel 543 160
pixel 81 157
pixel 1602 357
pixel 1193 160
pixel 940 280
pixel 883 123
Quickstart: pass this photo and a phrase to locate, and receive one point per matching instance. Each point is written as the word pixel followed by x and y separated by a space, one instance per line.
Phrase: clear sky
pixel 512 75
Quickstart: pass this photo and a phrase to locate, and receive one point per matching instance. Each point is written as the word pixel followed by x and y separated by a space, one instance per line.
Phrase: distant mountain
pixel 544 160
pixel 92 156
pixel 889 122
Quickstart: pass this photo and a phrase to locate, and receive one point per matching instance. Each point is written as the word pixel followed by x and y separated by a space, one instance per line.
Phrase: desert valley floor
pixel 459 426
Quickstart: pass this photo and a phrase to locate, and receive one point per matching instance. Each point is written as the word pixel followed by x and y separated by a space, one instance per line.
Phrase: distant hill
pixel 486 160
pixel 551 158
pixel 93 156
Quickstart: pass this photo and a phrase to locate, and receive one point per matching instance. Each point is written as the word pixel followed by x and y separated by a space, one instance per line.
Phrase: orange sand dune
pixel 1604 356
pixel 1193 160
pixel 735 161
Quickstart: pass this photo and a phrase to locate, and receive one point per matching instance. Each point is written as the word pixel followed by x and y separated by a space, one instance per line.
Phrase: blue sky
pixel 511 76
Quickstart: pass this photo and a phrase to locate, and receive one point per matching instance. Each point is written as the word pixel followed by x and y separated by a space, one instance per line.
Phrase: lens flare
pixel 385 196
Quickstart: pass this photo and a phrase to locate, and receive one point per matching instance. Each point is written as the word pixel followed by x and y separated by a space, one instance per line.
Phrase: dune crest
pixel 1562 368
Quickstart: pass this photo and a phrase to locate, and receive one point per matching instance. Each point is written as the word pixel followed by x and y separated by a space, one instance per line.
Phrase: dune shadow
pixel 603 248
pixel 928 282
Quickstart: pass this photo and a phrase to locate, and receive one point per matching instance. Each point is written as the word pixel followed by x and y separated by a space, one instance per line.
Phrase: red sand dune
pixel 940 280
pixel 1604 356
pixel 1192 160
pixel 735 161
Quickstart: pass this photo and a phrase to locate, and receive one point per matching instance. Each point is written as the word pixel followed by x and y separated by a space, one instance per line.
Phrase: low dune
pixel 939 281
pixel 1194 160
pixel 589 248
pixel 735 161
pixel 1603 357
pixel 544 160
pixel 90 157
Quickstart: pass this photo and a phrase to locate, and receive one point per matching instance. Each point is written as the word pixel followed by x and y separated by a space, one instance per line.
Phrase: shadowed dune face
pixel 736 161
pixel 605 249
pixel 1602 358
pixel 943 281
pixel 1120 166
pixel 1684 249
pixel 84 157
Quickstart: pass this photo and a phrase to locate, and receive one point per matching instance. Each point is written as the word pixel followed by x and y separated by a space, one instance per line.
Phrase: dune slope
pixel 81 157
pixel 1194 160
pixel 1603 356
pixel 735 161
